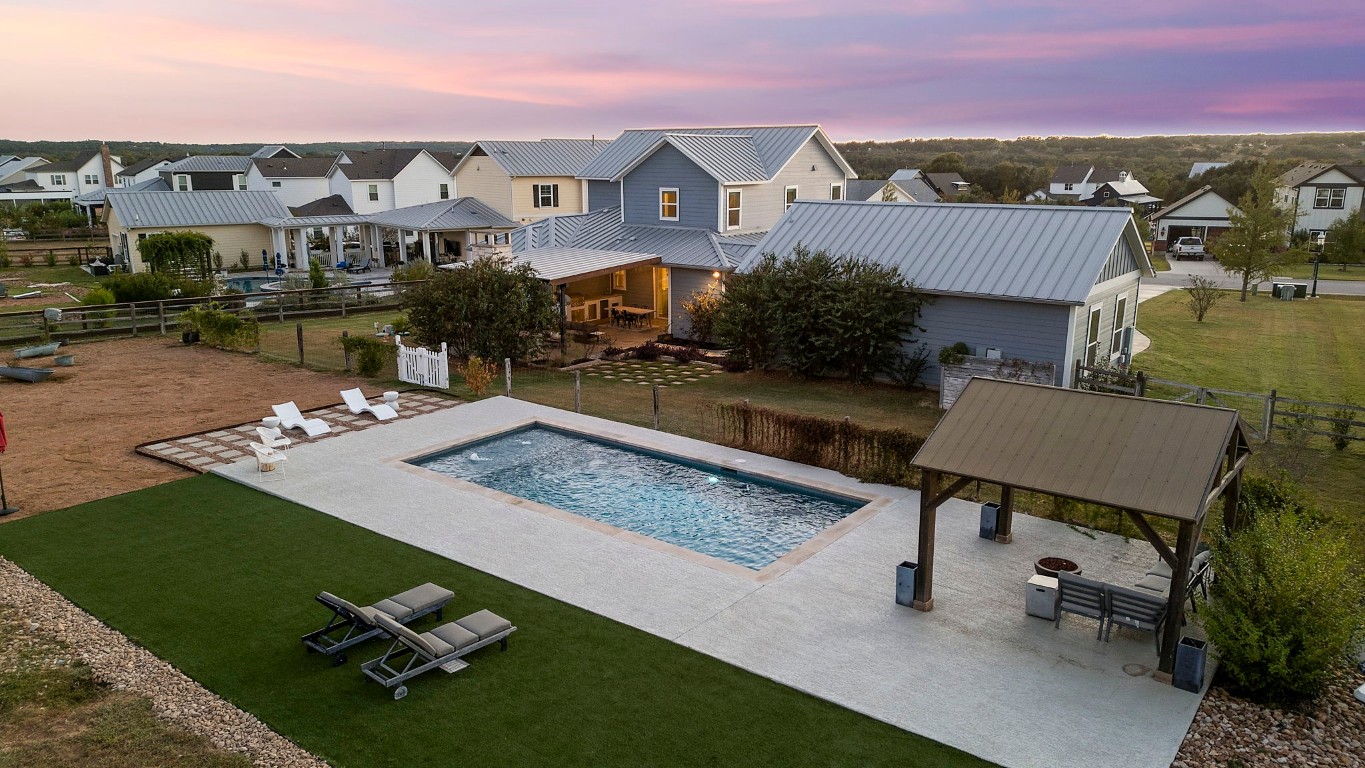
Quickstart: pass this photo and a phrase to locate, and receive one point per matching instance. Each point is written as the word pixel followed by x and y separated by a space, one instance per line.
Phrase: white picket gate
pixel 417 365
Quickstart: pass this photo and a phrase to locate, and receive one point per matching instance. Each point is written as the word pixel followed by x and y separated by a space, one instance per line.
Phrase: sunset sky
pixel 315 70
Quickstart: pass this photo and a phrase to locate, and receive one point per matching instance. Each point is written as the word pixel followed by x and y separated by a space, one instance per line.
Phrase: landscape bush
pixel 219 327
pixel 493 308
pixel 96 297
pixel 649 351
pixel 1288 603
pixel 369 354
pixel 701 309
pixel 954 354
pixel 413 271
pixel 478 374
pixel 152 286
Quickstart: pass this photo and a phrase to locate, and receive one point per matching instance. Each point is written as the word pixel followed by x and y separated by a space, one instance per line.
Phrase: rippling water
pixel 705 510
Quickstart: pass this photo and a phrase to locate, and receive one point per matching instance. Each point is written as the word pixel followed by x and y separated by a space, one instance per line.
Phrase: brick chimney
pixel 108 165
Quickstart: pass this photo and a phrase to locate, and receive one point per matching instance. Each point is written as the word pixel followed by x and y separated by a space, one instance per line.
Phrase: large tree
pixel 492 308
pixel 1256 245
pixel 1345 242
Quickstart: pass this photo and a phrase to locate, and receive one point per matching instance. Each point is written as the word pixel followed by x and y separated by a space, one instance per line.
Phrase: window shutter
pixel 535 195
pixel 554 192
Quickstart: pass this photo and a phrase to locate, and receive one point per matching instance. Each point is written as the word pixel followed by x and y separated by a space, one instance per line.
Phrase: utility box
pixel 1190 655
pixel 990 516
pixel 905 583
pixel 1041 598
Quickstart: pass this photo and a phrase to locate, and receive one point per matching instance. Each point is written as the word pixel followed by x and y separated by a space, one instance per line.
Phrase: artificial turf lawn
pixel 218 579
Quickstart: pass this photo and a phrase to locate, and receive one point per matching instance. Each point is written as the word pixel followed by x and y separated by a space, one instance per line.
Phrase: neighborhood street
pixel 1179 277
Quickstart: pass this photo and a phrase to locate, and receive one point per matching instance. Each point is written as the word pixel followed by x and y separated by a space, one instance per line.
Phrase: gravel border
pixel 126 666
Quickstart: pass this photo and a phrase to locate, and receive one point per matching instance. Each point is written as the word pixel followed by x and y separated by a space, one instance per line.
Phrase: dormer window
pixel 791 197
pixel 1068 186
pixel 182 182
pixel 836 191
pixel 668 203
pixel 733 203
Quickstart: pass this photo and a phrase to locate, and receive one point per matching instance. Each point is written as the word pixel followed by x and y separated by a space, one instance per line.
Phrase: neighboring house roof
pixel 195 209
pixel 1173 208
pixel 332 205
pixel 1309 171
pixel 274 150
pixel 546 157
pixel 69 166
pixel 604 230
pixel 93 197
pixel 905 174
pixel 460 213
pixel 12 166
pixel 560 264
pixel 864 189
pixel 141 166
pixel 1024 252
pixel 1070 174
pixel 26 185
pixel 1130 190
pixel 294 167
pixel 1101 175
pixel 950 183
pixel 1199 168
pixel 446 158
pixel 912 182
pixel 765 147
pixel 209 164
pixel 156 184
pixel 378 164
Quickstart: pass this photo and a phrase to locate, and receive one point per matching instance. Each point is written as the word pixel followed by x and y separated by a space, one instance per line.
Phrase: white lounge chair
pixel 290 418
pixel 268 460
pixel 355 400
pixel 273 437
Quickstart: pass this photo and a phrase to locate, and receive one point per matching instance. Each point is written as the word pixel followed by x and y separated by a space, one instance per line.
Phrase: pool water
pixel 249 284
pixel 706 509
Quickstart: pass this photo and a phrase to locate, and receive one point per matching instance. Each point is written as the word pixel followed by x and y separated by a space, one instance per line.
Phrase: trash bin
pixel 990 513
pixel 1189 664
pixel 905 583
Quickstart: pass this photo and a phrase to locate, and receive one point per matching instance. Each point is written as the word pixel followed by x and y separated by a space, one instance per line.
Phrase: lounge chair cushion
pixel 485 624
pixel 454 635
pixel 364 613
pixel 393 608
pixel 426 643
pixel 1153 583
pixel 1161 569
pixel 421 598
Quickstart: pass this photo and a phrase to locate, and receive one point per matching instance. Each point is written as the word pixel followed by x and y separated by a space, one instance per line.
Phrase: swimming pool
pixel 250 284
pixel 746 520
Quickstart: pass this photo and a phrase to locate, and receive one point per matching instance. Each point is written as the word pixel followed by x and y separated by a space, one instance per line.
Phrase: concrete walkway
pixel 975 673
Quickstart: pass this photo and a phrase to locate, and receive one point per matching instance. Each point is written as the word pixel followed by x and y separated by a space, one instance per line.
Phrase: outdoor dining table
pixel 637 313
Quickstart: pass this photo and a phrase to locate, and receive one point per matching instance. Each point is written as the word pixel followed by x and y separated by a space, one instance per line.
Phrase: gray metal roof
pixel 317 220
pixel 865 189
pixel 546 157
pixel 210 163
pixel 1155 456
pixel 331 205
pixel 728 159
pixel 774 146
pixel 1199 168
pixel 1171 209
pixel 905 174
pixel 155 184
pixel 603 230
pixel 1023 252
pixel 560 264
pixel 195 209
pixel 460 213
pixel 271 150
pixel 913 183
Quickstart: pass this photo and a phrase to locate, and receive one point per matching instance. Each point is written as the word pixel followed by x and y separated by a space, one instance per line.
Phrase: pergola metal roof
pixel 562 265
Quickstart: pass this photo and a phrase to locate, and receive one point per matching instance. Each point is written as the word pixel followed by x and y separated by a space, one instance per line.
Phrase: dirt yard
pixel 71 438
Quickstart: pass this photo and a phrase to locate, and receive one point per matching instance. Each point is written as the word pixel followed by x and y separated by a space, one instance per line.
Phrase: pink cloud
pixel 1081 44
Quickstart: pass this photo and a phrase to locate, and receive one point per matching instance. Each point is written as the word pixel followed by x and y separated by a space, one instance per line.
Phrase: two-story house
pixel 913 181
pixel 141 171
pixel 375 180
pixel 1078 183
pixel 1321 194
pixel 672 210
pixel 207 173
pixel 85 173
pixel 528 180
pixel 295 180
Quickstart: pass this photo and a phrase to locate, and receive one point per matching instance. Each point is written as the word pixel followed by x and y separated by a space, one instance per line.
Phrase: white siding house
pixel 295 180
pixel 1321 194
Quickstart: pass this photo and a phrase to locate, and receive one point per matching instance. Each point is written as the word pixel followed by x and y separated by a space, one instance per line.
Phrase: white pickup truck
pixel 1187 248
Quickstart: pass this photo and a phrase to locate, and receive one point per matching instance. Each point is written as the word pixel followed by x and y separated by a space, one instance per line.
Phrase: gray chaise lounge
pixel 358 623
pixel 441 647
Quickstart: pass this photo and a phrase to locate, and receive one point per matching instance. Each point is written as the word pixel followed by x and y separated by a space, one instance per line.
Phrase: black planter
pixel 1189 664
pixel 905 583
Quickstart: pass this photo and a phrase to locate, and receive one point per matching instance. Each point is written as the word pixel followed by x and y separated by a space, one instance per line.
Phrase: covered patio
pixel 601 287
pixel 447 231
pixel 1155 458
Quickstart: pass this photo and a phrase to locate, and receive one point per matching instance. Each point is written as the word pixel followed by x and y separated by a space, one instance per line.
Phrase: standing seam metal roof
pixel 1023 252
pixel 603 230
pixel 558 264
pixel 195 209
pixel 774 146
pixel 210 163
pixel 460 213
pixel 728 159
pixel 1155 456
pixel 546 157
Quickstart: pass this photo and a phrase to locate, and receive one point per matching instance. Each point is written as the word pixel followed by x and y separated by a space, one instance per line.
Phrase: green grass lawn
pixel 1159 263
pixel 218 579
pixel 1325 271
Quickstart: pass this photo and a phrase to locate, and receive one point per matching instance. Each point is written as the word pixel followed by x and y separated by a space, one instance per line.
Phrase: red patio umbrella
pixel 4 443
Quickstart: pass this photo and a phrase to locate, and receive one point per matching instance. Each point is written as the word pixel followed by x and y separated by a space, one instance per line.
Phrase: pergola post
pixel 426 246
pixel 1232 495
pixel 928 514
pixel 1004 522
pixel 1175 603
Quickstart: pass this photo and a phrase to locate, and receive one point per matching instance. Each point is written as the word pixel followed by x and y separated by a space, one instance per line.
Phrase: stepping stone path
pixel 227 445
pixel 662 373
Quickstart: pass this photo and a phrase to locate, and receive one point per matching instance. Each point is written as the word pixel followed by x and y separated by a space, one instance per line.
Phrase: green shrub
pixel 701 308
pixel 219 327
pixel 152 286
pixel 317 278
pixel 72 260
pixel 492 308
pixel 369 354
pixel 413 271
pixel 50 259
pixel 244 260
pixel 1288 607
pixel 401 325
pixel 955 354
pixel 96 297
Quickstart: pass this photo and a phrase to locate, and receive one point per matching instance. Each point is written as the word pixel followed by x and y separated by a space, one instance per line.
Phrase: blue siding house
pixel 1045 284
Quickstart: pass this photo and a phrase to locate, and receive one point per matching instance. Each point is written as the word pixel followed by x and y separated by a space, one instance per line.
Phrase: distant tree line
pixel 133 151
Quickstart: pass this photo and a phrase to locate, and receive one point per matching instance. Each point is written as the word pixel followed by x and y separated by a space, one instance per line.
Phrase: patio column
pixel 1004 522
pixel 1175 603
pixel 337 233
pixel 928 514
pixel 426 246
pixel 301 248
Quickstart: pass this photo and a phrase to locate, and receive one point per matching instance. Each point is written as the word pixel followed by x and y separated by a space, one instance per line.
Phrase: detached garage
pixel 1202 214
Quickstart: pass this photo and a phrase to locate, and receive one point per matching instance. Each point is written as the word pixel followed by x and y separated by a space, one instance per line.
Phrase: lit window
pixel 618 280
pixel 791 197
pixel 374 192
pixel 445 191
pixel 182 182
pixel 733 200
pixel 836 191
pixel 1330 198
pixel 668 204
pixel 545 195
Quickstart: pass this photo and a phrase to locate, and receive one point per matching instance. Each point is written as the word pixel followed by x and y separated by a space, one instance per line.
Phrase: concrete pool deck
pixel 975 673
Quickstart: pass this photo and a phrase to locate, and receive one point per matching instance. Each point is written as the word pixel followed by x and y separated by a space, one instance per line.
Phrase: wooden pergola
pixel 1145 457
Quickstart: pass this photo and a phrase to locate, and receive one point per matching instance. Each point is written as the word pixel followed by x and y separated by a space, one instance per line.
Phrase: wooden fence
pixel 423 367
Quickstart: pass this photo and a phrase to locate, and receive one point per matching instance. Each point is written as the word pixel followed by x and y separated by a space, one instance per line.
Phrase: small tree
pixel 701 310
pixel 1254 247
pixel 744 320
pixel 1202 295
pixel 317 278
pixel 492 308
pixel 889 192
pixel 1345 243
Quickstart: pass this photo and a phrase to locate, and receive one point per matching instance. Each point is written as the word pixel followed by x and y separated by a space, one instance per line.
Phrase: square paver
pixel 202 460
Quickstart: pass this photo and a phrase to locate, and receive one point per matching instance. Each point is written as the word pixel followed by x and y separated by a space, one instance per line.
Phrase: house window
pixel 58 179
pixel 239 181
pixel 618 280
pixel 836 191
pixel 373 192
pixel 791 197
pixel 92 179
pixel 445 192
pixel 1068 186
pixel 1120 323
pixel 668 203
pixel 1106 193
pixel 275 184
pixel 182 182
pixel 1092 335
pixel 545 195
pixel 733 200
pixel 1330 198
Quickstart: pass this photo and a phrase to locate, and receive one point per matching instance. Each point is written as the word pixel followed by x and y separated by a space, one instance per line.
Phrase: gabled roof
pixel 1101 175
pixel 912 182
pixel 294 167
pixel 378 164
pixel 557 265
pixel 867 189
pixel 1039 253
pixel 1125 189
pixel 774 146
pixel 1199 168
pixel 70 166
pixel 1309 171
pixel 460 213
pixel 209 164
pixel 905 174
pixel 332 205
pixel 546 157
pixel 195 209
pixel 1071 174
pixel 727 159
pixel 154 184
pixel 274 150
pixel 604 230
pixel 1171 209
pixel 446 158
pixel 1157 456
pixel 950 183
pixel 27 185
pixel 141 166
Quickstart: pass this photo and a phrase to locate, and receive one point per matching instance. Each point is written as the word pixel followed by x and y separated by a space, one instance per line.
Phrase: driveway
pixel 1181 271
